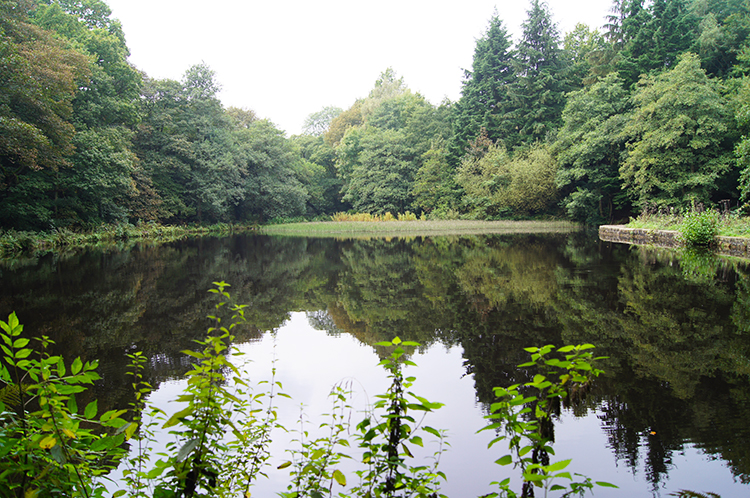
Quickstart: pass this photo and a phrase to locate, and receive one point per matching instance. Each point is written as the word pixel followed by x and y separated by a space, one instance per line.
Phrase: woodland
pixel 594 125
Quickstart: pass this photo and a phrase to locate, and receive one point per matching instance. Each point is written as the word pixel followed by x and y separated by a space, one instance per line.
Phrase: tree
pixel 678 137
pixel 538 92
pixel 320 176
pixel 317 123
pixel 100 184
pixel 589 147
pixel 381 179
pixel 581 46
pixel 188 146
pixel 654 37
pixel 484 98
pixel 498 183
pixel 272 186
pixel 742 149
pixel 435 189
pixel 378 160
pixel 339 125
pixel 39 77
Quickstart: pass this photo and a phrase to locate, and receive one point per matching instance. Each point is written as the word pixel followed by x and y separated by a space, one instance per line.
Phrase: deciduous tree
pixel 678 147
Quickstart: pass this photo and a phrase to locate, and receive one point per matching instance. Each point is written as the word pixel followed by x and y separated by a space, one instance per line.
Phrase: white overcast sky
pixel 286 59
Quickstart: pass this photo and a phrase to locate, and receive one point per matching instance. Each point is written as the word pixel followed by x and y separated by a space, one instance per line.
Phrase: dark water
pixel 671 412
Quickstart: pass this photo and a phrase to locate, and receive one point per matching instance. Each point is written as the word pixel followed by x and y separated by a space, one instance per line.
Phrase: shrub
pixel 699 228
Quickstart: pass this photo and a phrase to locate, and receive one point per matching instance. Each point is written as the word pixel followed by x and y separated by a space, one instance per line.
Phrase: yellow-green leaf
pixel 47 443
pixel 339 477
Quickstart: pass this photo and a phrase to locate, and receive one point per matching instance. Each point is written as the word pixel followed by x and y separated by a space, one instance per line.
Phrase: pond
pixel 670 412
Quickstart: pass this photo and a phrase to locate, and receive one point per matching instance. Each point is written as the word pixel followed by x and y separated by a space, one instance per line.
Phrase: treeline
pixel 651 108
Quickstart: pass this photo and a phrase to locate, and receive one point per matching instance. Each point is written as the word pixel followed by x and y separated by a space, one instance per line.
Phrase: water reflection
pixel 675 326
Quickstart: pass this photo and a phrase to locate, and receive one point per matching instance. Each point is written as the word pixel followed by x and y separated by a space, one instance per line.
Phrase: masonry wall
pixel 730 246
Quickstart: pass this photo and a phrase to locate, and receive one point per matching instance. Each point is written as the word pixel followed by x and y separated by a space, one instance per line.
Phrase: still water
pixel 670 413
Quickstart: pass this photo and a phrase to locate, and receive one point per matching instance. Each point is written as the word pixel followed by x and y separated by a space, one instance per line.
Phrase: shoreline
pixel 726 246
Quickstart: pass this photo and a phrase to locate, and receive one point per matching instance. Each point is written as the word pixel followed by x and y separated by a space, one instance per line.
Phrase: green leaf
pixel 24 353
pixel 187 448
pixel 130 430
pixel 534 477
pixel 416 440
pixel 90 411
pixel 20 343
pixel 284 465
pixel 432 431
pixel 506 460
pixel 76 366
pixel 175 419
pixel 72 405
pixel 558 465
pixel 339 477
pixel 606 484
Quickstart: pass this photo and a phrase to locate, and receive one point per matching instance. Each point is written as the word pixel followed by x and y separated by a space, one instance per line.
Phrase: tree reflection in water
pixel 677 331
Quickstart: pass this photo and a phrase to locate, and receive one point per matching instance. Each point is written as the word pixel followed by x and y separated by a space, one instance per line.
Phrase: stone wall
pixel 730 246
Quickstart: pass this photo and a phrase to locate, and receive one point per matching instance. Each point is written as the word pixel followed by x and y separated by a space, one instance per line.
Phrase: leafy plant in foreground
pixel 314 470
pixel 384 440
pixel 48 448
pixel 222 435
pixel 523 417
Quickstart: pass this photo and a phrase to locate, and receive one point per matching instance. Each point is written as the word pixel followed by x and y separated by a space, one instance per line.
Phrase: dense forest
pixel 650 109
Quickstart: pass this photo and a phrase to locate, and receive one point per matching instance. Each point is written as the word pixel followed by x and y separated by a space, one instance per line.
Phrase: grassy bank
pixel 730 225
pixel 14 243
pixel 345 229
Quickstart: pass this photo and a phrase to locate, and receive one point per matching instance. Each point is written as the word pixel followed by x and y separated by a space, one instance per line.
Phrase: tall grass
pixel 16 243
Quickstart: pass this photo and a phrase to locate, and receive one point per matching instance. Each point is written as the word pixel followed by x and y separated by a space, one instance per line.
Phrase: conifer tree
pixel 654 38
pixel 484 96
pixel 537 94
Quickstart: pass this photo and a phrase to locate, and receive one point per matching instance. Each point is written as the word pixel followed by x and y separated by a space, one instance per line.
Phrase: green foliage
pixel 218 401
pixel 700 227
pixel 48 446
pixel 500 184
pixel 384 438
pixel 317 123
pixel 698 264
pixel 537 95
pixel 589 149
pixel 313 465
pixel 677 149
pixel 484 93
pixel 523 416
pixel 435 189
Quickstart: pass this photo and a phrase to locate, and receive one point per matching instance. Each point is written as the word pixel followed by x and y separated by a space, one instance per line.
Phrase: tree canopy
pixel 594 124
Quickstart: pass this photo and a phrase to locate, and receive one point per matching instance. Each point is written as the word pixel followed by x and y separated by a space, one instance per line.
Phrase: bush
pixel 699 228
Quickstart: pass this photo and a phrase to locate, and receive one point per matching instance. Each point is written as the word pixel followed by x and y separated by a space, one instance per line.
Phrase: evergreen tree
pixel 537 94
pixel 484 98
pixel 654 37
